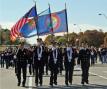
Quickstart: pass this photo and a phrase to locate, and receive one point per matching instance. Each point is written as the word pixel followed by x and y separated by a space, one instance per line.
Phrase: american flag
pixel 15 30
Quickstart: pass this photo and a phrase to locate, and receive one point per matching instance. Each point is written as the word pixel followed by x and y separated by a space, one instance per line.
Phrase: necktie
pixel 69 52
pixel 39 49
pixel 55 53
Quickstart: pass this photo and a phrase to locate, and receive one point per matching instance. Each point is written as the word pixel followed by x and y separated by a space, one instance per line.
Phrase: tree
pixel 105 34
pixel 48 39
pixel 93 38
pixel 0 36
pixel 5 38
pixel 61 40
pixel 72 38
pixel 105 40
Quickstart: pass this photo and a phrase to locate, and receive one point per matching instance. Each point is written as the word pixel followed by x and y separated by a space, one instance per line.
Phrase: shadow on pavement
pixel 62 75
pixel 90 86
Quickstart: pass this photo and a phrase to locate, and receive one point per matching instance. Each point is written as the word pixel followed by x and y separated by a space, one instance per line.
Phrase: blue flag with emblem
pixel 59 21
pixel 54 23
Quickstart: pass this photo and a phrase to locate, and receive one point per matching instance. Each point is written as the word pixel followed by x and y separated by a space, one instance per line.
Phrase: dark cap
pixel 22 43
pixel 54 43
pixel 59 43
pixel 39 39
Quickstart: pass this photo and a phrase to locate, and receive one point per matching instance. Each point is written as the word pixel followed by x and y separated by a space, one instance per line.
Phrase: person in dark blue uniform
pixel 84 59
pixel 69 62
pixel 21 64
pixel 46 59
pixel 2 59
pixel 60 58
pixel 30 60
pixel 54 62
pixel 7 58
pixel 39 63
pixel 11 61
pixel 15 62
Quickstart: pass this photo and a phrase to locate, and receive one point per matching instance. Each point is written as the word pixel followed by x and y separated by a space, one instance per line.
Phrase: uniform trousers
pixel 39 72
pixel 69 72
pixel 85 72
pixel 22 65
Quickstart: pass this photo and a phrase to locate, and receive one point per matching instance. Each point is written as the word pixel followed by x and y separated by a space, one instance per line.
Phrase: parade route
pixel 97 79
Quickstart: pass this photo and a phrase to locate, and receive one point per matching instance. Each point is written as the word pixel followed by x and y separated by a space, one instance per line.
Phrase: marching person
pixel 11 63
pixel 2 59
pixel 54 64
pixel 39 63
pixel 21 64
pixel 15 62
pixel 84 59
pixel 69 62
pixel 30 60
pixel 46 53
pixel 60 58
pixel 7 59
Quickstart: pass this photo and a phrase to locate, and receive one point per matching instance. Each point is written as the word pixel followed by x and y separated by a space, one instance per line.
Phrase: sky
pixel 83 13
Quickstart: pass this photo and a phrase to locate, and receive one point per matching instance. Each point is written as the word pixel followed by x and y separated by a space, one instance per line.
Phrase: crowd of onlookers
pixel 102 52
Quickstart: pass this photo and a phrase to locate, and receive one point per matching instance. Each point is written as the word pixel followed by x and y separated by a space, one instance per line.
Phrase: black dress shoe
pixel 51 84
pixel 87 82
pixel 40 84
pixel 55 83
pixel 23 85
pixel 82 83
pixel 18 84
pixel 70 83
pixel 66 84
pixel 36 84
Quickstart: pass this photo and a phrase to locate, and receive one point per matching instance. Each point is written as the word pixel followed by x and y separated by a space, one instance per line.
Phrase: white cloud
pixel 6 25
pixel 84 27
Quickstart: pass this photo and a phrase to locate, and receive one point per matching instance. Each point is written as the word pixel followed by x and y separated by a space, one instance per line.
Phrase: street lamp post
pixel 103 15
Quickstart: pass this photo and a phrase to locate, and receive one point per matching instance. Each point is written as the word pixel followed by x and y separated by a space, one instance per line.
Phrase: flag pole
pixel 36 19
pixel 67 22
pixel 51 23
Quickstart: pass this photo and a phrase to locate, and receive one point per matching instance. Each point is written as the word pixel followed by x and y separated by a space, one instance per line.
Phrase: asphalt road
pixel 97 79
